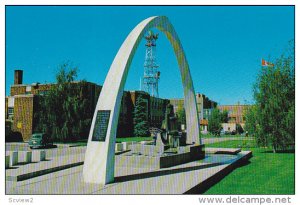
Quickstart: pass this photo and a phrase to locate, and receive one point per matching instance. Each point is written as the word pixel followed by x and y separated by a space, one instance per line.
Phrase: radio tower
pixel 151 76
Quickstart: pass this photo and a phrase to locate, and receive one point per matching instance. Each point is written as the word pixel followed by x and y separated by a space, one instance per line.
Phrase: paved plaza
pixel 69 149
pixel 175 180
pixel 62 174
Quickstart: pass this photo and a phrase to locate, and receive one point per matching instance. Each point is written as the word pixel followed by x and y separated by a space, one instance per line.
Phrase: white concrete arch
pixel 99 157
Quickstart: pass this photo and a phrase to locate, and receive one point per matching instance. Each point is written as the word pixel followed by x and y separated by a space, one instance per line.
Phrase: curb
pixel 41 172
pixel 208 183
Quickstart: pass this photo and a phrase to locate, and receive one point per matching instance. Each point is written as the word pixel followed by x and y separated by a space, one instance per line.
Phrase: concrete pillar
pixel 43 155
pixel 38 155
pixel 13 158
pixel 7 161
pixel 28 156
pixel 119 147
pixel 125 146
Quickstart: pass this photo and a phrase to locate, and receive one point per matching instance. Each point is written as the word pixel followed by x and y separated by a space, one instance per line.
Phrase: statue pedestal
pixel 197 152
pixel 148 156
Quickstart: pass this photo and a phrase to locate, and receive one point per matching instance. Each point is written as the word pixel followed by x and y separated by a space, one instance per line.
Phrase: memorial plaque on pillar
pixel 101 124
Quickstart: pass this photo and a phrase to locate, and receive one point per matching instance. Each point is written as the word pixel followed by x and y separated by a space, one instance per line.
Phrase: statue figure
pixel 170 133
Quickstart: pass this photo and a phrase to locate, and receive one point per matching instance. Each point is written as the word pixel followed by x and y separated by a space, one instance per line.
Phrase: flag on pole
pixel 266 63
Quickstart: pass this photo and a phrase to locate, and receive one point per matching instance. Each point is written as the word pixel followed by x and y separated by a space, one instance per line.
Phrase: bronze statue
pixel 170 133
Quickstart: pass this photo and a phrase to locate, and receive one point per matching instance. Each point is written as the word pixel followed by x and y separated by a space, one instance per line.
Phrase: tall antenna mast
pixel 151 73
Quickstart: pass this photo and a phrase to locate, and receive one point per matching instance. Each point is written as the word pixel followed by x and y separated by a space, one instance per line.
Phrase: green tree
pixel 181 114
pixel 239 129
pixel 224 116
pixel 214 122
pixel 251 124
pixel 65 112
pixel 274 94
pixel 140 118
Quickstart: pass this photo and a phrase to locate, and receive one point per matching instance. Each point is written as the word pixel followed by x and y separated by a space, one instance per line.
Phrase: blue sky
pixel 223 44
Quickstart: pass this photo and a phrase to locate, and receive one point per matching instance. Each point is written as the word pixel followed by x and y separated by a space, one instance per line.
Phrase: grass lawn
pixel 133 139
pixel 78 143
pixel 118 140
pixel 267 173
pixel 222 136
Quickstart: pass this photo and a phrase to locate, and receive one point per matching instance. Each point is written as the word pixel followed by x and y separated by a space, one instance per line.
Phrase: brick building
pixel 204 106
pixel 155 111
pixel 236 113
pixel 22 103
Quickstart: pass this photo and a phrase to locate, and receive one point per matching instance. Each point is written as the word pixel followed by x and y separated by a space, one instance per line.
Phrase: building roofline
pixel 32 84
pixel 23 95
pixel 233 105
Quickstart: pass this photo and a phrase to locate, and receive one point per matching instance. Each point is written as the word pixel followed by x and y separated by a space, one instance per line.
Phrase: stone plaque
pixel 101 123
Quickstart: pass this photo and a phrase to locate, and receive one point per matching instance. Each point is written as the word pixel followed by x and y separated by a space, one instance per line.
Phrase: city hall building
pixel 204 107
pixel 236 115
pixel 22 104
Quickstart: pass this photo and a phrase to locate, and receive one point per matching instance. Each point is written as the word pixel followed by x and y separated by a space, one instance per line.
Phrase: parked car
pixel 40 140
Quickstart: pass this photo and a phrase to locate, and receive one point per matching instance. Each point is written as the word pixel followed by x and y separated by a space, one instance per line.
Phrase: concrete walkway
pixel 23 171
pixel 185 178
pixel 30 178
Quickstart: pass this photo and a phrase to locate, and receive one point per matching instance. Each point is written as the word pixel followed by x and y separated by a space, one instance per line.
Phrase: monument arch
pixel 100 152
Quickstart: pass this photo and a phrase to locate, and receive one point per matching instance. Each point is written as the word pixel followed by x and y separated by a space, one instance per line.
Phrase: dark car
pixel 40 140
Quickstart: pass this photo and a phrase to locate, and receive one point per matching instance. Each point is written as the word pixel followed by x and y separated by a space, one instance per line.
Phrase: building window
pixel 10 113
pixel 43 92
pixel 10 110
pixel 28 90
